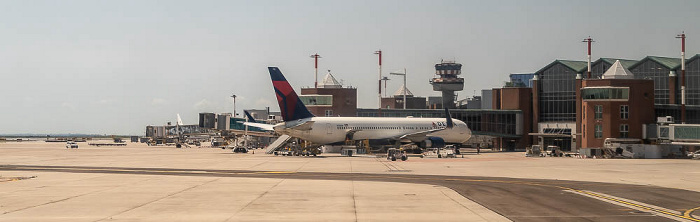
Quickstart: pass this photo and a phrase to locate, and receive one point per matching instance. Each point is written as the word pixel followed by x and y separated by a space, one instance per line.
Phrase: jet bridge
pixel 682 134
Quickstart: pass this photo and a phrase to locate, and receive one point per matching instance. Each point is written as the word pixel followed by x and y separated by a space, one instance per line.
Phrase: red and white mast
pixel 589 40
pixel 316 57
pixel 682 37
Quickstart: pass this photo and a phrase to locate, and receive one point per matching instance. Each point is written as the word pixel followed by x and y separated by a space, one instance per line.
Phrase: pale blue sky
pixel 113 67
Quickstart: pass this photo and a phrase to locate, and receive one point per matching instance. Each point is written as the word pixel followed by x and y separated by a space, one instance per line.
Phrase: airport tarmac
pixel 45 181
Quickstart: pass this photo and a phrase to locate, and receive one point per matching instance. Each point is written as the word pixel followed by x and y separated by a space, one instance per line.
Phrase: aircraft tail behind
pixel 250 118
pixel 290 105
pixel 179 120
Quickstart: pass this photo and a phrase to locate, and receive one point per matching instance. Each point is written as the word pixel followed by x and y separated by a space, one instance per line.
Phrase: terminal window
pixel 611 93
pixel 624 112
pixel 624 130
pixel 598 112
pixel 317 100
pixel 598 131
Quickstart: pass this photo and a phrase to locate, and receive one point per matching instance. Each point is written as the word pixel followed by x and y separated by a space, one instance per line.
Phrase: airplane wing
pixel 417 136
pixel 303 126
pixel 261 126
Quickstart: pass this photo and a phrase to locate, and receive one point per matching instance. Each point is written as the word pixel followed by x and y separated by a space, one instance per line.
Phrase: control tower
pixel 447 81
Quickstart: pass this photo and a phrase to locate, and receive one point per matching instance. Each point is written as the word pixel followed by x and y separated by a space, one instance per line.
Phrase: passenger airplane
pixel 299 122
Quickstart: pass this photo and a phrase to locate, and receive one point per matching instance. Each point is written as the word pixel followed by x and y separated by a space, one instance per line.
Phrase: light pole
pixel 379 95
pixel 682 37
pixel 234 104
pixel 404 85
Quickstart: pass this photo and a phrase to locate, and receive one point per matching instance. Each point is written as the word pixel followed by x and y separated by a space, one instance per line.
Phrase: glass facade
pixel 692 75
pixel 557 93
pixel 522 80
pixel 692 114
pixel 649 69
pixel 608 93
pixel 485 122
pixel 597 69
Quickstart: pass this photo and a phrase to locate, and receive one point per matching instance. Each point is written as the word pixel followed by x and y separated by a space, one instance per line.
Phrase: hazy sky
pixel 113 67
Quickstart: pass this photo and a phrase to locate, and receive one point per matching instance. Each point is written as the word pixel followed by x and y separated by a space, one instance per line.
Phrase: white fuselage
pixel 327 130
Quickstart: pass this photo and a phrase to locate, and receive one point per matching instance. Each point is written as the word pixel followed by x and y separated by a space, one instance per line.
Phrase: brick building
pixel 396 100
pixel 330 98
pixel 615 106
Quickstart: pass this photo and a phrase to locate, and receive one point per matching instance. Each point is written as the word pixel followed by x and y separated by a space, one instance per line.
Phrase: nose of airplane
pixel 465 132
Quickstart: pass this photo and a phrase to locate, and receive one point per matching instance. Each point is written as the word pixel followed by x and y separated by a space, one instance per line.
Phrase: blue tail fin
pixel 290 105
pixel 250 118
pixel 450 124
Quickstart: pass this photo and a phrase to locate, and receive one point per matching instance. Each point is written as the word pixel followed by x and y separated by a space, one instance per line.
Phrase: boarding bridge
pixel 673 133
pixel 277 144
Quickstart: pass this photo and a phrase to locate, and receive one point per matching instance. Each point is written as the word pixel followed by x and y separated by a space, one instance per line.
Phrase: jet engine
pixel 432 142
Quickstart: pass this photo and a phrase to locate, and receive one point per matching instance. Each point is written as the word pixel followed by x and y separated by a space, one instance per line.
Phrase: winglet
pixel 450 124
pixel 250 118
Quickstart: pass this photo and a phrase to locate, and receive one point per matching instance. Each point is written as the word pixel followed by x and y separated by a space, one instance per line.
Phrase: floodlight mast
pixel 404 85
pixel 379 95
pixel 682 37
pixel 234 104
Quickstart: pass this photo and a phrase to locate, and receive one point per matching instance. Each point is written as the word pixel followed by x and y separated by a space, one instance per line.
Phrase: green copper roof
pixel 625 62
pixel 671 63
pixel 692 58
pixel 577 66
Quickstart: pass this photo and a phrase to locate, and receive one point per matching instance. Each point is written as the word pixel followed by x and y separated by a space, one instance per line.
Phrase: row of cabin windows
pixel 383 127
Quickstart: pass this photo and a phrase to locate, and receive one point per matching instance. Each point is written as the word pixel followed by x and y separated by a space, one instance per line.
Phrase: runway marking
pixel 277 172
pixel 660 211
pixel 158 199
pixel 11 179
pixel 654 210
pixel 688 213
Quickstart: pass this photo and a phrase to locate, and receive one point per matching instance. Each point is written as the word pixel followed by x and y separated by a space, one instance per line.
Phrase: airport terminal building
pixel 555 89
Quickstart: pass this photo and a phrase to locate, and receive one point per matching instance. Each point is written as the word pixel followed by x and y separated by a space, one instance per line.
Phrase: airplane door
pixel 328 128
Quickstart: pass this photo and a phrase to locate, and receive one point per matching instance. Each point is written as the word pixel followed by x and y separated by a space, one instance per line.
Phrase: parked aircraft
pixel 379 131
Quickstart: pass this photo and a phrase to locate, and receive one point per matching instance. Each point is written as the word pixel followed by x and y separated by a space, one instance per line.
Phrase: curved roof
pixel 576 66
pixel 624 62
pixel 670 63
